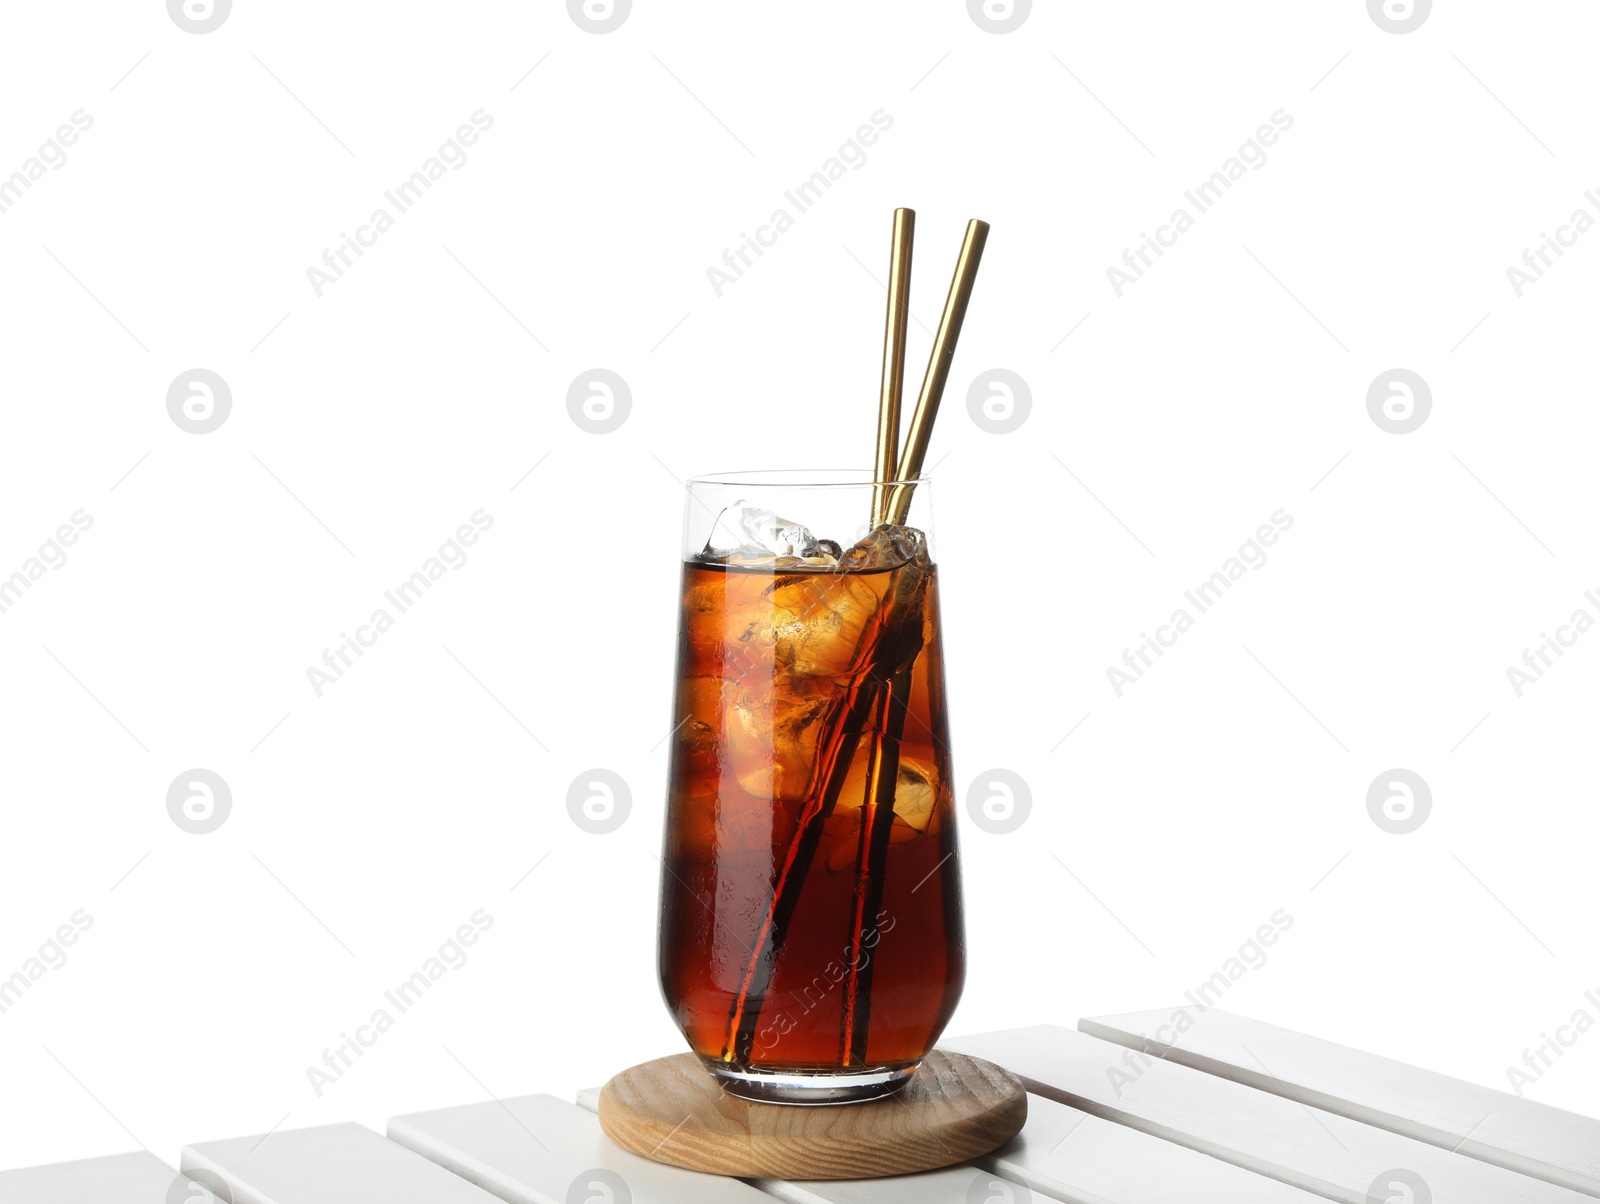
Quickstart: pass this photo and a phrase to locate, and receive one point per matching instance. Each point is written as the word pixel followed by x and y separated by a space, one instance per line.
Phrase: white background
pixel 369 423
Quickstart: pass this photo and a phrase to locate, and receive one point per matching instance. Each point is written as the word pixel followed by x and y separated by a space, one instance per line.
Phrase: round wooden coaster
pixel 954 1108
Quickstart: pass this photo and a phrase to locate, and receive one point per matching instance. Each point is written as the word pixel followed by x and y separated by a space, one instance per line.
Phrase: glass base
pixel 811 1087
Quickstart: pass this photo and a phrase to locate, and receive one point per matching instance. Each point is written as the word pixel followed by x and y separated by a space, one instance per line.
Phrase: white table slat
pixel 531 1150
pixel 1492 1126
pixel 953 1185
pixel 1317 1151
pixel 1070 1155
pixel 1061 1154
pixel 334 1164
pixel 119 1179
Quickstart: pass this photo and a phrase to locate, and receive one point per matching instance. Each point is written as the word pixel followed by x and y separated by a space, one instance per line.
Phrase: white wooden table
pixel 1133 1109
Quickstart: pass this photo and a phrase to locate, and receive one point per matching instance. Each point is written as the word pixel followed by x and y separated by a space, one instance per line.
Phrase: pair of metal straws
pixel 892 502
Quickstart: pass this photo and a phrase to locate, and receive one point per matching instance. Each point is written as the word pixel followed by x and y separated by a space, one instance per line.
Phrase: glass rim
pixel 799 478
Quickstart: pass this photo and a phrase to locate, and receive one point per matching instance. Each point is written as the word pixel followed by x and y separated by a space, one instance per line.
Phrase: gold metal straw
pixel 894 360
pixel 933 383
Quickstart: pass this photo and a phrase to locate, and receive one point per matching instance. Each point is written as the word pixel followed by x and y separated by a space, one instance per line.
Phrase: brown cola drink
pixel 811 943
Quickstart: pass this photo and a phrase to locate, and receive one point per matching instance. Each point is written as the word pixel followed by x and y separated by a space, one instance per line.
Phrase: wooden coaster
pixel 954 1108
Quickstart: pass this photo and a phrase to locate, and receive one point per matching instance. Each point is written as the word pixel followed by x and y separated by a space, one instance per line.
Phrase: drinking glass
pixel 811 940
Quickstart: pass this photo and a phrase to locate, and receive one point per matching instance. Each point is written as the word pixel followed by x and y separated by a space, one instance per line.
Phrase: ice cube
pixel 744 533
pixel 916 799
pixel 886 547
pixel 772 738
pixel 794 644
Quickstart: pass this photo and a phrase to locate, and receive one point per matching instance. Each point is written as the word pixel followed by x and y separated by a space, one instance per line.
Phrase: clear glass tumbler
pixel 811 941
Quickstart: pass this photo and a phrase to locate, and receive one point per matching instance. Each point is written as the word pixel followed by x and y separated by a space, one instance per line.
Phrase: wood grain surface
pixel 955 1108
